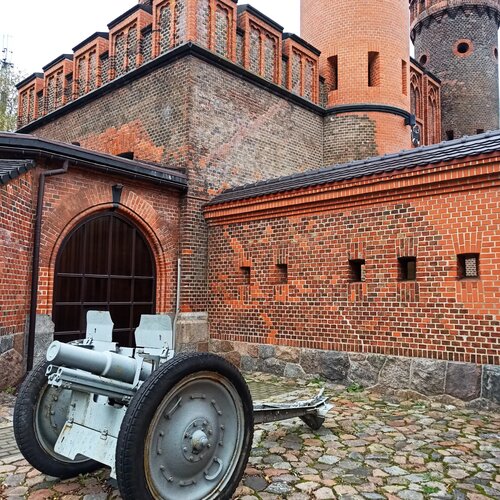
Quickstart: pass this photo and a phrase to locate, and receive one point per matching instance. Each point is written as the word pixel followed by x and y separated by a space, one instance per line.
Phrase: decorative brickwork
pixel 425 214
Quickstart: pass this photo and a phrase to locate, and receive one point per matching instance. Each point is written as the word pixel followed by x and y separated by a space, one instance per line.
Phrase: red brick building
pixel 378 271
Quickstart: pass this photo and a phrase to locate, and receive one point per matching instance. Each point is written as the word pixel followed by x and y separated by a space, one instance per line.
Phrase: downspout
pixel 177 303
pixel 36 260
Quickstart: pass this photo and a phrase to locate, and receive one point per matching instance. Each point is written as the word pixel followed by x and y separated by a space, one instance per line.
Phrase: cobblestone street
pixel 371 447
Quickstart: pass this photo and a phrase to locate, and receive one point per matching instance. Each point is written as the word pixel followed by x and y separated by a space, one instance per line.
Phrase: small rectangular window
pixel 373 69
pixel 450 135
pixel 245 274
pixel 357 268
pixel 407 268
pixel 468 266
pixel 281 274
pixel 480 131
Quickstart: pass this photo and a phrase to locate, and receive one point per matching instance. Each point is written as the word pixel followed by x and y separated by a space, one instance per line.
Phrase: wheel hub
pixel 198 437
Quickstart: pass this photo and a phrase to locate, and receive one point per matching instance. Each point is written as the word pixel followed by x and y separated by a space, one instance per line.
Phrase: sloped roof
pixel 10 169
pixel 488 142
pixel 30 146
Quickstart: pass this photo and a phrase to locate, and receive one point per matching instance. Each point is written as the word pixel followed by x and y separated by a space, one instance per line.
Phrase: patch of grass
pixel 317 381
pixel 10 390
pixel 429 490
pixel 355 388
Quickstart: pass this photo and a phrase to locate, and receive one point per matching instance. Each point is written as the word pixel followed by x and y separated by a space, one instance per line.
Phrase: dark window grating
pixel 468 266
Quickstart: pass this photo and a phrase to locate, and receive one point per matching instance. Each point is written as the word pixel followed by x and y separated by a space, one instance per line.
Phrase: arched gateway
pixel 105 263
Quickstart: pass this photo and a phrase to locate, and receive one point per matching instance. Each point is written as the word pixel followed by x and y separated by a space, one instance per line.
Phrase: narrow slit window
pixel 281 274
pixel 357 270
pixel 407 268
pixel 246 274
pixel 404 77
pixel 374 69
pixel 333 63
pixel 468 266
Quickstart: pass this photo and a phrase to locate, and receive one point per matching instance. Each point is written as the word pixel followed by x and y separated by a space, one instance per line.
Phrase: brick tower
pixel 365 60
pixel 457 40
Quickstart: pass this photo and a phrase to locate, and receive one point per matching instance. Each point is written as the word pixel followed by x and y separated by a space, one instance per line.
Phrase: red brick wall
pixel 347 32
pixel 72 197
pixel 17 200
pixel 316 232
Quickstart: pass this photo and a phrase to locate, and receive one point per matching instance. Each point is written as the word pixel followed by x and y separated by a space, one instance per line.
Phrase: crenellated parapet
pixel 240 34
pixel 88 64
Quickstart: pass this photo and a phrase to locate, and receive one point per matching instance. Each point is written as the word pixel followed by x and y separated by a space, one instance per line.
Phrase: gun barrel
pixel 107 364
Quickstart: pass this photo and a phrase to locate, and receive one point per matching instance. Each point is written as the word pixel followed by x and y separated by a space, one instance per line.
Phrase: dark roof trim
pixel 10 169
pixel 27 80
pixel 424 70
pixel 302 42
pixel 370 108
pixel 57 60
pixel 421 157
pixel 91 38
pixel 32 145
pixel 258 14
pixel 179 52
pixel 133 10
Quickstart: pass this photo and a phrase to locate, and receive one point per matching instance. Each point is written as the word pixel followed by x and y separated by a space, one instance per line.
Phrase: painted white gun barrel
pixel 107 364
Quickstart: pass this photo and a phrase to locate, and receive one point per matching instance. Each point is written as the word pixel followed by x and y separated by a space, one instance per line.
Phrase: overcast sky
pixel 41 30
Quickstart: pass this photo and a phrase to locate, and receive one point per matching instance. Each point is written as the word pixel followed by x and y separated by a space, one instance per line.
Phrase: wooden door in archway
pixel 104 264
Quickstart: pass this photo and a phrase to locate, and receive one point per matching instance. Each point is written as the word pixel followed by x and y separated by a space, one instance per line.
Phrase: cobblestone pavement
pixel 371 447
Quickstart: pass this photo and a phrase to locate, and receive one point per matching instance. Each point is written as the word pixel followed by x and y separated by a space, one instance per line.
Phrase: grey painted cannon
pixel 169 427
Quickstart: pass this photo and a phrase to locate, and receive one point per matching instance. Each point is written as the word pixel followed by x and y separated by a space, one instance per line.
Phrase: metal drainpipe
pixel 36 259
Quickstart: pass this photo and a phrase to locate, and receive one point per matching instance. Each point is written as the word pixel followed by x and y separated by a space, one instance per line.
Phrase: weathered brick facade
pixel 458 42
pixel 218 90
pixel 281 273
pixel 16 248
pixel 70 198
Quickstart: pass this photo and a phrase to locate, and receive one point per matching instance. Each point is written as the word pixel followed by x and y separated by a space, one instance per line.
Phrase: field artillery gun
pixel 169 427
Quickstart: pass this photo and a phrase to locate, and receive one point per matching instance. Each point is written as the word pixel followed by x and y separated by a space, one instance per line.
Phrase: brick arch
pixel 59 223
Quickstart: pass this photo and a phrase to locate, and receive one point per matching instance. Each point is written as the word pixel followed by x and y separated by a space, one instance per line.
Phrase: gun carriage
pixel 169 426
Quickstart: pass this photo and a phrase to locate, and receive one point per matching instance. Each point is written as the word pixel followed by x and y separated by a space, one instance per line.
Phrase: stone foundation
pixel 11 363
pixel 191 332
pixel 421 377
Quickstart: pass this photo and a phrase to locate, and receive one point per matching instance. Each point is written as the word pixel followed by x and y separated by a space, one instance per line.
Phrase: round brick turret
pixel 365 59
pixel 457 40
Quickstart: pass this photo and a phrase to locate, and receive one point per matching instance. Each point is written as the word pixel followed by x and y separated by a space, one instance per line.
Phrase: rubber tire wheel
pixel 134 429
pixel 26 434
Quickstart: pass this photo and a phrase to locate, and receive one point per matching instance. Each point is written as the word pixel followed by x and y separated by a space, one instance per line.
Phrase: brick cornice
pixel 480 173
pixel 439 8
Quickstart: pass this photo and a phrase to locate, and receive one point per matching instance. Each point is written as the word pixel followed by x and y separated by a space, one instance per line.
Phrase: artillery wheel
pixel 187 433
pixel 39 416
